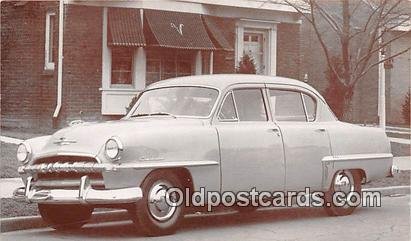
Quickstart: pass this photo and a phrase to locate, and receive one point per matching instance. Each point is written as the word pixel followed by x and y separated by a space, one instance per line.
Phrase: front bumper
pixel 84 195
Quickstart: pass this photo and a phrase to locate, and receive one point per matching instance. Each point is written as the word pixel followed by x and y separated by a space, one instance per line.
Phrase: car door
pixel 250 144
pixel 306 140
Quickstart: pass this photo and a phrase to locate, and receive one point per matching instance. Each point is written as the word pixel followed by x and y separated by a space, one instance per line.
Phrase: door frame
pixel 264 46
pixel 270 27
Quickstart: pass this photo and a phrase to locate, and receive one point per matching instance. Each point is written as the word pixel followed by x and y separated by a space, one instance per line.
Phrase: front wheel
pixel 153 213
pixel 65 216
pixel 345 190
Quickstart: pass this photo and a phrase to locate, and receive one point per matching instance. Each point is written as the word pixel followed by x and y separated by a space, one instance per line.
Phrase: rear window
pixel 287 105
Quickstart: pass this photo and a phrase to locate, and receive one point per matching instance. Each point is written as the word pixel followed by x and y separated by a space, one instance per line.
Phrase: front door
pixel 250 144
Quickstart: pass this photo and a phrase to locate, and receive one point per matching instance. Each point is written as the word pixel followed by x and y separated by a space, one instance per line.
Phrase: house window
pixel 168 64
pixel 121 66
pixel 49 41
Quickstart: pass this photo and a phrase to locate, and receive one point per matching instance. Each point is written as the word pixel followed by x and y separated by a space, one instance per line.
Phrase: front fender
pixel 193 147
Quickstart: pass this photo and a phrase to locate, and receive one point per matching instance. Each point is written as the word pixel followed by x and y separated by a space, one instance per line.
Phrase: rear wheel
pixel 348 183
pixel 153 214
pixel 65 216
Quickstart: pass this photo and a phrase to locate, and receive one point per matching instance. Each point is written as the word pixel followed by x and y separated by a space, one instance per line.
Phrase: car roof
pixel 222 81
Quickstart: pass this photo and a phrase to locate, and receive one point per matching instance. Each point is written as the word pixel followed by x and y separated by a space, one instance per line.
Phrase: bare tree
pixel 361 36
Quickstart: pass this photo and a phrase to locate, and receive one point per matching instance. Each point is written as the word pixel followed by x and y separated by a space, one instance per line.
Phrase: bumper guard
pixel 84 195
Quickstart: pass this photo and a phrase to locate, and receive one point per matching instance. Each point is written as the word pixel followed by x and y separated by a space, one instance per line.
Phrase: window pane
pixel 121 65
pixel 250 105
pixel 227 111
pixel 184 68
pixel 168 69
pixel 254 38
pixel 310 106
pixel 153 71
pixel 287 105
pixel 51 39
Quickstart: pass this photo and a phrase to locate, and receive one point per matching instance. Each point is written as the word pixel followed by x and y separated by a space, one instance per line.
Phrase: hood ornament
pixel 62 141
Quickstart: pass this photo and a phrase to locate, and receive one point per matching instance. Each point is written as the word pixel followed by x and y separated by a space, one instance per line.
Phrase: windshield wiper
pixel 154 114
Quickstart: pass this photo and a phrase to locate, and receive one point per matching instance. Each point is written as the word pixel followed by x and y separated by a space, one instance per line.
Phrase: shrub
pixel 246 65
pixel 131 104
pixel 406 109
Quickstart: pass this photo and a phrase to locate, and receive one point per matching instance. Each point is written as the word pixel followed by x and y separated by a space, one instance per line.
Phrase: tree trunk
pixel 348 114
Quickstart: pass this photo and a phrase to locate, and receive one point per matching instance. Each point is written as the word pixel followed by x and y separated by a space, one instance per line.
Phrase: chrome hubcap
pixel 344 182
pixel 157 205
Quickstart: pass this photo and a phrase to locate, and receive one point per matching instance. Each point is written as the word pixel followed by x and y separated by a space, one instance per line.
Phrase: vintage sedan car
pixel 217 132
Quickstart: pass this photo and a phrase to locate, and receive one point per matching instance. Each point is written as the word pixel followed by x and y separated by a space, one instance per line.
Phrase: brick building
pixel 113 49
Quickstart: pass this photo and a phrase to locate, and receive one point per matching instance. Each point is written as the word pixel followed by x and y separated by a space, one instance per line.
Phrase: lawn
pixel 11 208
pixel 8 160
pixel 398 149
pixel 401 179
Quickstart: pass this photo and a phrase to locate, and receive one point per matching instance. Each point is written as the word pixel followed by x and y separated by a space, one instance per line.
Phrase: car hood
pixel 88 138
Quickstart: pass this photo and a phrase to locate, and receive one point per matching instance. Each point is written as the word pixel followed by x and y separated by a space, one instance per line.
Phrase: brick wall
pixel 224 62
pixel 27 91
pixel 288 50
pixel 82 63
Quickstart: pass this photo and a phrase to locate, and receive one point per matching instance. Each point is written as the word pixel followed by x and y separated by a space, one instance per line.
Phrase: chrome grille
pixel 70 159
pixel 54 177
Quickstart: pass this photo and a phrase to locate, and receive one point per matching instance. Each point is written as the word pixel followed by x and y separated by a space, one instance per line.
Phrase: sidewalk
pixel 8 185
pixel 400 140
pixel 10 140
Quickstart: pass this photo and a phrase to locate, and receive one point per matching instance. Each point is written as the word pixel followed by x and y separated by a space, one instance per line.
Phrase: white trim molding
pixel 115 98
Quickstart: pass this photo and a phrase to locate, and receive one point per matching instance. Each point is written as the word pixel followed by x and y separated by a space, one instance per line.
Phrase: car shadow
pixel 198 222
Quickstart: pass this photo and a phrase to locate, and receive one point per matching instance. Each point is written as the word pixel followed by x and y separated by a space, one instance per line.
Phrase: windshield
pixel 176 101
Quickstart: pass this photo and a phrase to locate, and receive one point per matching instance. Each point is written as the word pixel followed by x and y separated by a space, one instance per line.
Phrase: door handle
pixel 275 130
pixel 320 130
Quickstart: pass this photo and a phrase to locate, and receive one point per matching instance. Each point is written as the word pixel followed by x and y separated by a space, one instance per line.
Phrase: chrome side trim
pixel 88 167
pixel 354 157
pixel 84 195
pixel 151 164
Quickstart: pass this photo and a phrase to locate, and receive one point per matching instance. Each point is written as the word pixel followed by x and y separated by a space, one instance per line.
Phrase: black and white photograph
pixel 205 120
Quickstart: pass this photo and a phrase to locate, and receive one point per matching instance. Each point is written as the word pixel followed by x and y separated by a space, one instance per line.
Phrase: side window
pixel 227 111
pixel 310 106
pixel 287 105
pixel 250 105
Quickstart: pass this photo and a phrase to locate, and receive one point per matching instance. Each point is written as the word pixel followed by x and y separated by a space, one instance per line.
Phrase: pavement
pixel 389 222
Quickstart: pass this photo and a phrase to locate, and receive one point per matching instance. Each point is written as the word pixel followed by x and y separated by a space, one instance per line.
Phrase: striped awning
pixel 125 28
pixel 215 26
pixel 176 30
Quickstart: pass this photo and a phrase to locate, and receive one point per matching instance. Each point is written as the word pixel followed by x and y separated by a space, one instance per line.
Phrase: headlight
pixel 23 152
pixel 113 148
